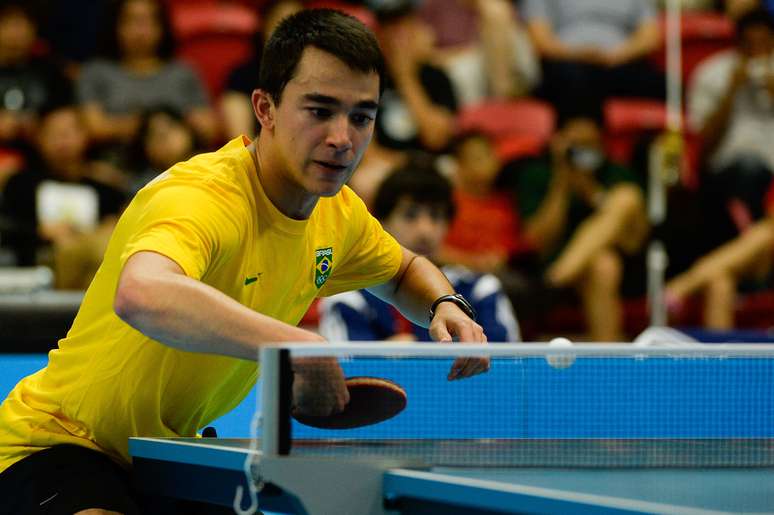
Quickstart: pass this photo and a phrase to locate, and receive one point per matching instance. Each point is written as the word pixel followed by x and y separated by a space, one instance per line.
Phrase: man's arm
pixel 156 297
pixel 546 226
pixel 413 290
pixel 641 43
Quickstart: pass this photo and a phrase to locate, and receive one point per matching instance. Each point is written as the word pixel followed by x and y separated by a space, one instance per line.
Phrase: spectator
pixel 235 106
pixel 378 162
pixel 163 140
pixel 731 106
pixel 594 49
pixel 56 206
pixel 483 47
pixel 581 212
pixel 415 205
pixel 418 104
pixel 485 234
pixel 138 73
pixel 28 82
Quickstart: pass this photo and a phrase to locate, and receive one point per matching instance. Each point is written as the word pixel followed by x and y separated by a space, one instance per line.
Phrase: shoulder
pixel 100 67
pixel 220 175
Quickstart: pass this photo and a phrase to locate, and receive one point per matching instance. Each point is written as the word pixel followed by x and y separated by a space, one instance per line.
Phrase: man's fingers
pixel 468 367
pixel 441 334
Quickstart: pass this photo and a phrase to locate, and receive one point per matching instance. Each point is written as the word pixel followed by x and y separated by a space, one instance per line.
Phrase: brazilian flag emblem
pixel 323 263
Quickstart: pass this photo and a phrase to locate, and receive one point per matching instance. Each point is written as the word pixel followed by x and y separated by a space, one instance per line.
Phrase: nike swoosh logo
pixel 250 280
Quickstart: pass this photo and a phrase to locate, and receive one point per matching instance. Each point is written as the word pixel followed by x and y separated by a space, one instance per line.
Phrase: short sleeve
pixel 194 237
pixel 373 256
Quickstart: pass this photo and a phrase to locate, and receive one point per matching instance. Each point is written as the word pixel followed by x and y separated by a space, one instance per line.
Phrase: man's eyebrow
pixel 332 101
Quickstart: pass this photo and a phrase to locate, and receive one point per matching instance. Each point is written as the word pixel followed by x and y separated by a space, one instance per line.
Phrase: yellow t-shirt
pixel 107 381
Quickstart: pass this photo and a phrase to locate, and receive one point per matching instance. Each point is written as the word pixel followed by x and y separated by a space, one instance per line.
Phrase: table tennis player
pixel 218 255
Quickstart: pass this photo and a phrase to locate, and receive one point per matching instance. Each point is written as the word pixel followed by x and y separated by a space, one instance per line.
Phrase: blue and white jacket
pixel 358 315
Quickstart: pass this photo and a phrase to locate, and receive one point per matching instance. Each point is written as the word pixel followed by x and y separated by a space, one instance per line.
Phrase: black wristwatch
pixel 459 300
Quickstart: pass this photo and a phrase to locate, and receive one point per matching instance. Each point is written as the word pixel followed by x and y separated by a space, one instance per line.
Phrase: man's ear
pixel 263 107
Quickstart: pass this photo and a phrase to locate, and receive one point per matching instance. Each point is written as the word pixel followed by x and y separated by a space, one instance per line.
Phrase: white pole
pixel 674 75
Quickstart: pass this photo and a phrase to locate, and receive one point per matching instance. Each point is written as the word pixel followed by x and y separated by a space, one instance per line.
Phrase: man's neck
pixel 289 198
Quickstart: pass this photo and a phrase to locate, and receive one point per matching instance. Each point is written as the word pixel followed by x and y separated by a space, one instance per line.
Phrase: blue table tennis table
pixel 209 470
pixel 659 431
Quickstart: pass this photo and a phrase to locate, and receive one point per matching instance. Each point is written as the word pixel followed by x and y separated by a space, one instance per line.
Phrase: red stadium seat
pixel 213 38
pixel 518 127
pixel 702 34
pixel 361 13
pixel 627 120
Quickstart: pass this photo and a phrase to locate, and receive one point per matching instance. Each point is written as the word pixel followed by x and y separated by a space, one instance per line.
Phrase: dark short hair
pixel 420 183
pixel 339 34
pixel 468 134
pixel 593 112
pixel 394 10
pixel 109 47
pixel 755 17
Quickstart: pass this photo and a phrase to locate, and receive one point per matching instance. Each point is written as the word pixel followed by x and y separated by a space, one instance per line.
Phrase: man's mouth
pixel 334 167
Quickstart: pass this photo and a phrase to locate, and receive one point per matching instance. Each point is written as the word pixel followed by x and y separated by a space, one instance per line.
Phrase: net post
pixel 276 400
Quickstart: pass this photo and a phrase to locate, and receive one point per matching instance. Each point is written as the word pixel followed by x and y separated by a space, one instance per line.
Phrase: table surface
pixel 532 489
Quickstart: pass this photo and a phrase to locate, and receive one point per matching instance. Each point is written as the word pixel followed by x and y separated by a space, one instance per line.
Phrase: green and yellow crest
pixel 323 263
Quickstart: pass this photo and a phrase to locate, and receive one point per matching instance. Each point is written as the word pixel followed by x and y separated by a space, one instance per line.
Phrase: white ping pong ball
pixel 560 360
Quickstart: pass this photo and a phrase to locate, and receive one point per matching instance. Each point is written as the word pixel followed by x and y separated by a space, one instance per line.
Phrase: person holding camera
pixel 731 107
pixel 582 214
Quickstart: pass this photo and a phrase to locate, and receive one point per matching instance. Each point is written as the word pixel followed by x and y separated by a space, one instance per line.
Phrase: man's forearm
pixel 414 289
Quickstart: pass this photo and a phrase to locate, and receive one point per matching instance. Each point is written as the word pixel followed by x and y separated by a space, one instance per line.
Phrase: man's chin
pixel 328 190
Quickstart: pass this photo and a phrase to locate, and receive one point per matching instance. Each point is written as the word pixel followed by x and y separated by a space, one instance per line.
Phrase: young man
pixel 416 206
pixel 215 257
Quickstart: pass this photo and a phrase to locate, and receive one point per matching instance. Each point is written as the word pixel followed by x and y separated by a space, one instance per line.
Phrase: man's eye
pixel 320 112
pixel 361 119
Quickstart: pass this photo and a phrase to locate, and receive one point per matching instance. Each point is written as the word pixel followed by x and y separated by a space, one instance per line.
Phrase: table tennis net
pixel 579 408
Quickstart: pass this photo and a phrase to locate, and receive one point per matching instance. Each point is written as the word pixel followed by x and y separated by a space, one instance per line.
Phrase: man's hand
pixel 451 322
pixel 318 387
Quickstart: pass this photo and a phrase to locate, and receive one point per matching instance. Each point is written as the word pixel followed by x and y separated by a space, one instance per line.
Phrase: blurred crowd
pixel 512 145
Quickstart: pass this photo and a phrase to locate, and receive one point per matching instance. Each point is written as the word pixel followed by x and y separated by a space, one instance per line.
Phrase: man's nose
pixel 339 134
pixel 426 225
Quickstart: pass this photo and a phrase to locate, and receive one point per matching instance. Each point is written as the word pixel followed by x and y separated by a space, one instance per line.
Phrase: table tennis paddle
pixel 371 400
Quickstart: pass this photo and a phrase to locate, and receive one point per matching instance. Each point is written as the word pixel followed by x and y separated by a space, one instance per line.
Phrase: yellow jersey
pixel 107 381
